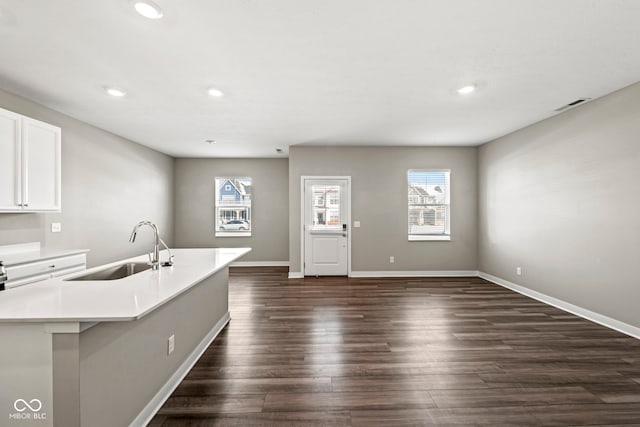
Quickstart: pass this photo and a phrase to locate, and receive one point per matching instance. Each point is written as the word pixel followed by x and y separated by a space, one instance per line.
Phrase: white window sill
pixel 233 234
pixel 426 238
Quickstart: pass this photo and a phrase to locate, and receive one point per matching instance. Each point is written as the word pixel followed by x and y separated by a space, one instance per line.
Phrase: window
pixel 233 207
pixel 326 207
pixel 429 204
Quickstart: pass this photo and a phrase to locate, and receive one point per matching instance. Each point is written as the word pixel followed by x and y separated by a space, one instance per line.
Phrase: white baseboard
pixel 373 274
pixel 260 264
pixel 614 324
pixel 432 273
pixel 144 417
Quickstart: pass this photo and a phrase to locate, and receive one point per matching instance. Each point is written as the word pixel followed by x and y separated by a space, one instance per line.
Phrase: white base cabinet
pixel 30 164
pixel 29 262
pixel 36 271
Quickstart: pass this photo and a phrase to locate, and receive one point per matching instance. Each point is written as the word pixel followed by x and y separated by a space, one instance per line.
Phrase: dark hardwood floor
pixel 419 351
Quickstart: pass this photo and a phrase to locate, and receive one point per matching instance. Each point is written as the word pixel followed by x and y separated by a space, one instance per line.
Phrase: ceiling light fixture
pixel 465 90
pixel 215 92
pixel 115 91
pixel 148 9
pixel 210 141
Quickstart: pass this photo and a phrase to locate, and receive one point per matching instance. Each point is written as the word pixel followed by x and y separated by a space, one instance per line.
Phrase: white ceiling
pixel 370 72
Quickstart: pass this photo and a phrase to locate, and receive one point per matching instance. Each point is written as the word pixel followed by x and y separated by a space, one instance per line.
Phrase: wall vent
pixel 572 104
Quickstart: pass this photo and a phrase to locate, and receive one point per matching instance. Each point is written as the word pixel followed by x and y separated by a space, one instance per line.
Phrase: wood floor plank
pixel 445 417
pixel 263 419
pixel 200 404
pixel 582 415
pixel 519 396
pixel 413 382
pixel 209 387
pixel 348 400
pixel 403 351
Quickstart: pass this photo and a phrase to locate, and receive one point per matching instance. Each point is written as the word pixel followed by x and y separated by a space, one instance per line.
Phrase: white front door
pixel 326 226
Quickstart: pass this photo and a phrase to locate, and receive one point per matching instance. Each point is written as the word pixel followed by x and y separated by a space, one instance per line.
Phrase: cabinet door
pixel 41 144
pixel 10 162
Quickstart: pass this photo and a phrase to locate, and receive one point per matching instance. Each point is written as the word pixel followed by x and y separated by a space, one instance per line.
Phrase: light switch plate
pixel 56 227
pixel 356 224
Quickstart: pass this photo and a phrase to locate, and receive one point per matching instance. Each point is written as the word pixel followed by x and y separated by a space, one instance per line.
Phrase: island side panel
pixel 66 380
pixel 124 364
pixel 25 375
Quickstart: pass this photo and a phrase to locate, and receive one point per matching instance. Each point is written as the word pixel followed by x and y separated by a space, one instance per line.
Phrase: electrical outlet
pixel 56 227
pixel 171 344
pixel 519 271
pixel 392 259
pixel 356 224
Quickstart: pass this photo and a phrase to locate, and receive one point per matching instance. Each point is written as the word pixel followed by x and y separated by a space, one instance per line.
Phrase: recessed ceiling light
pixel 464 90
pixel 210 141
pixel 148 9
pixel 115 91
pixel 215 92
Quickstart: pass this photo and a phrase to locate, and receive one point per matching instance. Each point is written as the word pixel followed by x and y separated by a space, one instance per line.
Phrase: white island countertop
pixel 129 298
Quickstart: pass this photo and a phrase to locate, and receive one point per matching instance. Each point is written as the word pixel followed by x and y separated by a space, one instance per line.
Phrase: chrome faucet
pixel 3 276
pixel 155 262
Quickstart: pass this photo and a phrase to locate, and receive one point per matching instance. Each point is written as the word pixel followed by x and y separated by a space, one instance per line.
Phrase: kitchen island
pixel 94 353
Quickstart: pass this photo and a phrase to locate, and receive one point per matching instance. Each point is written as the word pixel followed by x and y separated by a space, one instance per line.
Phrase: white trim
pixel 144 417
pixel 296 275
pixel 230 233
pixel 601 319
pixel 302 212
pixel 426 238
pixel 260 264
pixel 302 260
pixel 433 273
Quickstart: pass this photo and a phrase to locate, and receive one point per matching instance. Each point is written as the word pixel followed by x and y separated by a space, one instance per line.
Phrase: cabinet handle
pixel 25 205
pixel 52 266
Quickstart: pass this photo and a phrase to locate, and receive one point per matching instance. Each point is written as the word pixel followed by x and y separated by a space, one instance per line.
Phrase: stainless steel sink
pixel 114 273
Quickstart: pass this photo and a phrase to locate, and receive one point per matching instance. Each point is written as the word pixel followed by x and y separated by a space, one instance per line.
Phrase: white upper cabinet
pixel 30 164
pixel 40 166
pixel 10 161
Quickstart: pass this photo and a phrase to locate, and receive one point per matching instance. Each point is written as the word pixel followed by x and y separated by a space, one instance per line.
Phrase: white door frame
pixel 303 178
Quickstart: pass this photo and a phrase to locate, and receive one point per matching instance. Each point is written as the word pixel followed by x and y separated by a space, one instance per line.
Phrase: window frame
pixel 241 210
pixel 446 235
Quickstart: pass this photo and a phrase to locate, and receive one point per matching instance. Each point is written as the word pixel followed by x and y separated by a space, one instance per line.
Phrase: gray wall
pixel 194 206
pixel 561 200
pixel 379 202
pixel 108 185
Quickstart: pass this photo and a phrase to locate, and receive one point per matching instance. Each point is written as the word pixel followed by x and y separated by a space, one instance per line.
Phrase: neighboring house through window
pixel 326 206
pixel 429 205
pixel 233 206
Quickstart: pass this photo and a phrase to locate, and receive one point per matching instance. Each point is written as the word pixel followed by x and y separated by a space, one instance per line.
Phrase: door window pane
pixel 326 207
